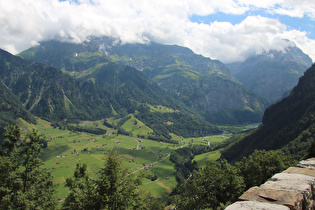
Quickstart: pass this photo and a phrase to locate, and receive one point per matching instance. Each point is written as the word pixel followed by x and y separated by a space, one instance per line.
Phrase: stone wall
pixel 294 188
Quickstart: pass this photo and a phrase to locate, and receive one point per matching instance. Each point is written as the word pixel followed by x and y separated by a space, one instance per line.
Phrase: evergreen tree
pixel 82 190
pixel 24 185
pixel 114 188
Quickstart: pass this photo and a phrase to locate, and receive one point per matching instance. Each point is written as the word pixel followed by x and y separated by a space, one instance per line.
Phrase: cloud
pixel 230 43
pixel 290 8
pixel 24 23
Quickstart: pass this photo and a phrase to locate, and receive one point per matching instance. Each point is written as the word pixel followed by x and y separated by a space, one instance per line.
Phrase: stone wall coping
pixel 293 189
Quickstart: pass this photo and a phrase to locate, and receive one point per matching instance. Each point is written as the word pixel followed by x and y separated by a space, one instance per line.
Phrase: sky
pixel 227 30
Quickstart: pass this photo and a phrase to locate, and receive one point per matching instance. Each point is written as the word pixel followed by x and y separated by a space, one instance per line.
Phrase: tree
pixel 311 150
pixel 117 189
pixel 211 186
pixel 24 185
pixel 260 166
pixel 114 188
pixel 82 190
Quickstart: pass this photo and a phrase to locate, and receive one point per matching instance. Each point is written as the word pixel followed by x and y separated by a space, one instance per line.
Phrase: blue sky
pixel 304 23
pixel 228 30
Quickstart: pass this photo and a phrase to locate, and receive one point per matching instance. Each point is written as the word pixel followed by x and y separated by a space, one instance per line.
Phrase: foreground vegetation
pixel 65 148
pixel 24 185
pixel 76 166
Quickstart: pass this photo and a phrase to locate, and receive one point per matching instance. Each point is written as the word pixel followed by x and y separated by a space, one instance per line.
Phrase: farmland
pixel 66 148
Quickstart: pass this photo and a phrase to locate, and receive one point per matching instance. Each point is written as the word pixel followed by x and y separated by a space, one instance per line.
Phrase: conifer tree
pixel 114 188
pixel 24 184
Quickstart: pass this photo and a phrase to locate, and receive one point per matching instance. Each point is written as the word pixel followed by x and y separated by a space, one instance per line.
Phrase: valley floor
pixel 66 148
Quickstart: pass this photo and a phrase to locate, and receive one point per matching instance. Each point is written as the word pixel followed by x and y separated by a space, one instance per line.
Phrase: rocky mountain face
pixel 272 74
pixel 202 84
pixel 288 125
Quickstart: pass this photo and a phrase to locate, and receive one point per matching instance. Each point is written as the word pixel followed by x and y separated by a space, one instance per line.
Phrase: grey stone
pixel 297 170
pixel 309 163
pixel 294 177
pixel 289 198
pixel 249 205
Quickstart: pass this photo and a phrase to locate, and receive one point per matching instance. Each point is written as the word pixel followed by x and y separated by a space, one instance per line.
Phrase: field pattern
pixel 67 148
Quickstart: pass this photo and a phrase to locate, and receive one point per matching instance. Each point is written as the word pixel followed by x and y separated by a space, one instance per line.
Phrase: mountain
pixel 106 90
pixel 272 74
pixel 63 55
pixel 202 84
pixel 11 109
pixel 48 93
pixel 288 125
pixel 129 87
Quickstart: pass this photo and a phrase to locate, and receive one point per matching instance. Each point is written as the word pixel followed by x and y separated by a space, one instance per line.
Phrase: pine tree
pixel 24 185
pixel 114 188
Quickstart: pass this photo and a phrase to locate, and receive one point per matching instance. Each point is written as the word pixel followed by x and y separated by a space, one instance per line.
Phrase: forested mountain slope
pixel 50 94
pixel 129 87
pixel 104 91
pixel 288 124
pixel 201 83
pixel 11 108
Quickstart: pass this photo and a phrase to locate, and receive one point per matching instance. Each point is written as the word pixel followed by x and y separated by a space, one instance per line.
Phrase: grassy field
pixel 66 149
pixel 207 157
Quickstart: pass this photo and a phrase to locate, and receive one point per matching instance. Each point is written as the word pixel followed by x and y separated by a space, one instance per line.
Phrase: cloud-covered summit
pixel 24 23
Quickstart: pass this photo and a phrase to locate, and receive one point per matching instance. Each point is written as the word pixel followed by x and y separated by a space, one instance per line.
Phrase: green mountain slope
pixel 100 92
pixel 273 74
pixel 199 82
pixel 11 108
pixel 136 93
pixel 288 124
pixel 48 93
pixel 129 87
pixel 62 55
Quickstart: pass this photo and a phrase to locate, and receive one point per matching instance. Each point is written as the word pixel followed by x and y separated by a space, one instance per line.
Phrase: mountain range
pixel 103 78
pixel 110 90
pixel 204 85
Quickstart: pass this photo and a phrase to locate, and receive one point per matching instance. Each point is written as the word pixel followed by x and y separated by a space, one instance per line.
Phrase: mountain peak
pixel 273 73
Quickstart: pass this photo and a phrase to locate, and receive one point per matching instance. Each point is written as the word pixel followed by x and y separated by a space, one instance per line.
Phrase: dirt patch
pixel 168 188
pixel 60 180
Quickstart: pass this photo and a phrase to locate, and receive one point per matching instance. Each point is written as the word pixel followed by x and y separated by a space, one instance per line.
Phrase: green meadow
pixel 66 149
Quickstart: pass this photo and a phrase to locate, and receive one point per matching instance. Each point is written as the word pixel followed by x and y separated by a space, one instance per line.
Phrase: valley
pixel 66 148
pixel 156 105
pixel 172 117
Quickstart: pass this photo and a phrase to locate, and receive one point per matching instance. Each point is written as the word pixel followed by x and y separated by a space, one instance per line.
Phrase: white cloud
pixel 230 43
pixel 24 23
pixel 291 8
